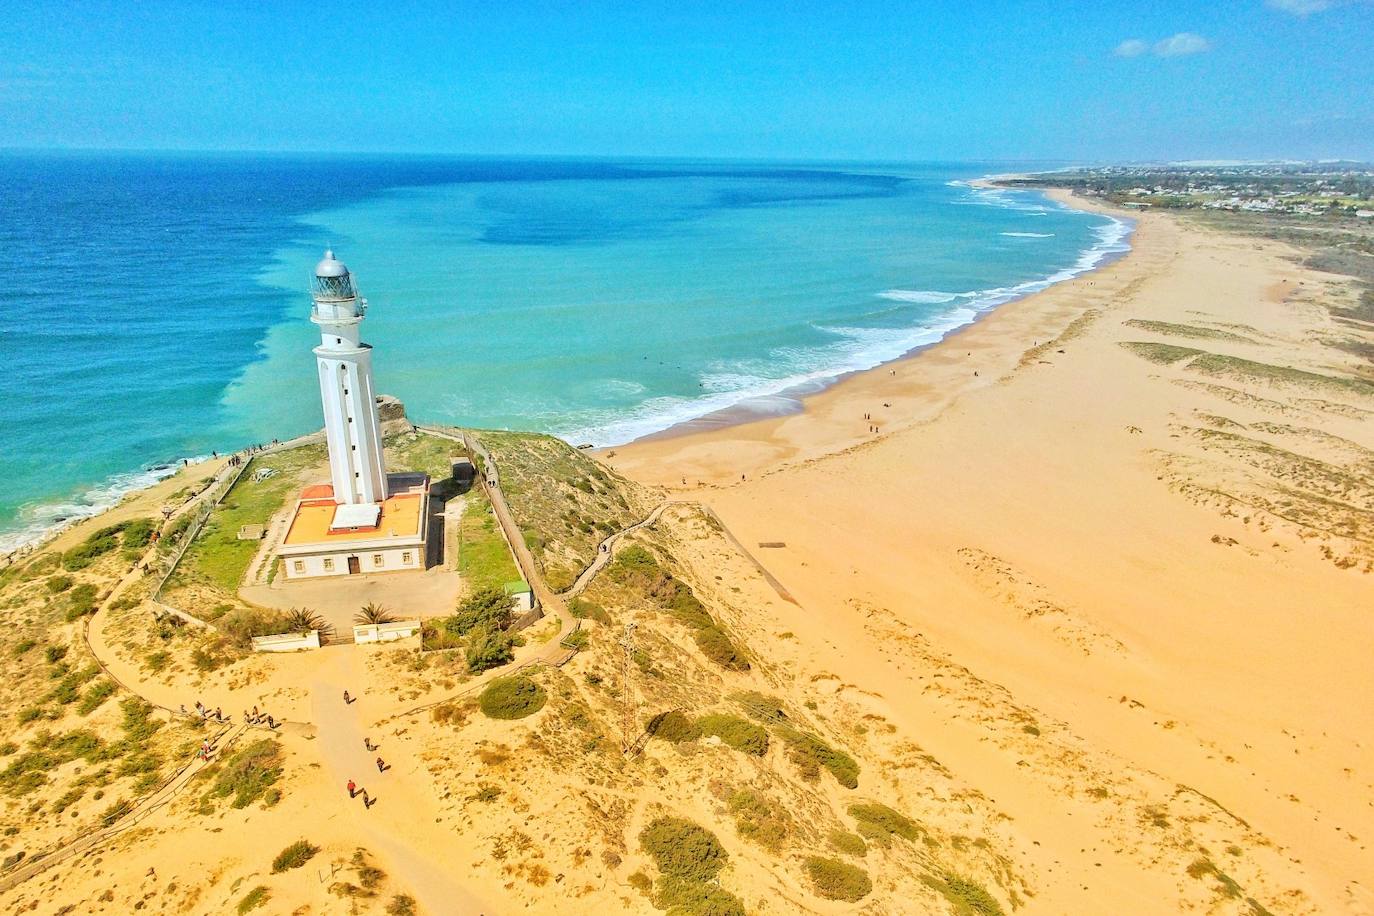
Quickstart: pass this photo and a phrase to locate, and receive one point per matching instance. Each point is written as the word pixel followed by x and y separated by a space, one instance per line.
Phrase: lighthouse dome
pixel 330 266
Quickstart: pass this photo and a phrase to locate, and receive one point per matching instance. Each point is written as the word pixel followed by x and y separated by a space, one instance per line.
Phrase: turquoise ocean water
pixel 159 310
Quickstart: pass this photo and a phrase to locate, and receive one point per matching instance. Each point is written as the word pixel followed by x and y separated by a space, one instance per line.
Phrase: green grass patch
pixel 1186 330
pixel 1164 354
pixel 294 856
pixel 512 698
pixel 1234 367
pixel 217 555
pixel 836 880
pixel 484 559
pixel 879 824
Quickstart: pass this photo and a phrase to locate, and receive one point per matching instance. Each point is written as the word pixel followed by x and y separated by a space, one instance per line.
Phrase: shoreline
pixel 793 399
pixel 894 394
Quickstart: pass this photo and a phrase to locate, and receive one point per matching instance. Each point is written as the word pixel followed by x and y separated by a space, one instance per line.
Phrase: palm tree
pixel 371 614
pixel 303 620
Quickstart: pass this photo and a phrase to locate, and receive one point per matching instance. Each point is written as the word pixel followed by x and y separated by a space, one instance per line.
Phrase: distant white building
pixel 364 520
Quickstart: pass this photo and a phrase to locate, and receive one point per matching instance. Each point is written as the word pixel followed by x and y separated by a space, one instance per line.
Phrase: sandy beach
pixel 1098 535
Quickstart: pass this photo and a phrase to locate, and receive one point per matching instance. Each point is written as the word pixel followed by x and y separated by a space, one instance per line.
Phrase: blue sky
pixel 864 80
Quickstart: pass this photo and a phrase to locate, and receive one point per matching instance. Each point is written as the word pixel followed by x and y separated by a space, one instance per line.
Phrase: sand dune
pixel 1162 554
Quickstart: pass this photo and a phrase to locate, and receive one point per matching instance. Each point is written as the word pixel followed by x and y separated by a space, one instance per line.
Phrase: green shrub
pixel 673 726
pixel 94 696
pixel 760 706
pixel 55 654
pixel 57 584
pixel 716 646
pixel 968 896
pixel 91 549
pixel 836 880
pixel 512 698
pixel 81 601
pixel 486 608
pixel 633 562
pixel 489 648
pixel 588 610
pixel 679 601
pixel 760 819
pixel 740 734
pixel 23 646
pixel 401 905
pixel 294 856
pixel 851 844
pixel 29 714
pixel 810 754
pixel 248 774
pixel 683 897
pixel 880 823
pixel 157 661
pixel 683 849
pixel 137 534
pixel 254 899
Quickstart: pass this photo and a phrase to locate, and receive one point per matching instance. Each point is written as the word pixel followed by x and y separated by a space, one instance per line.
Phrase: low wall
pixel 287 642
pixel 386 632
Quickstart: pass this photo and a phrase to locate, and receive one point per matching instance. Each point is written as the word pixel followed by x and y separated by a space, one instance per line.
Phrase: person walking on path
pixel 352 789
pixel 367 743
pixel 347 698
pixel 381 765
pixel 367 800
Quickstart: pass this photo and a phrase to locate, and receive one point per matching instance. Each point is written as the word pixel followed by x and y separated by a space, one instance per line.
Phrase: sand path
pixel 400 824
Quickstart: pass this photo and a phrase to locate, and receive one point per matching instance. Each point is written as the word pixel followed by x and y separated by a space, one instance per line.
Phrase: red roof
pixel 318 491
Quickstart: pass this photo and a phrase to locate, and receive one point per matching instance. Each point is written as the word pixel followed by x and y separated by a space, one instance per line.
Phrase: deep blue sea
pixel 156 307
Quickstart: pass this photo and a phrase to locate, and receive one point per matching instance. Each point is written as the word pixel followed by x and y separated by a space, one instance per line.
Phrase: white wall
pixel 287 642
pixel 392 560
pixel 385 632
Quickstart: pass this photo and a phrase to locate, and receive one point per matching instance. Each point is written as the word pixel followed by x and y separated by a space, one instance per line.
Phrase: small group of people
pixel 354 790
pixel 206 712
pixel 205 750
pixel 254 717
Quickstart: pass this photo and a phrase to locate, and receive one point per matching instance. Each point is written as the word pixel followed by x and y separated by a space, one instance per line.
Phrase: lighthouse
pixel 364 520
pixel 351 425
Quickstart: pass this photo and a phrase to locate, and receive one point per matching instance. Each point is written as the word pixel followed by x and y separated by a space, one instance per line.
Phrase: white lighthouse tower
pixel 351 425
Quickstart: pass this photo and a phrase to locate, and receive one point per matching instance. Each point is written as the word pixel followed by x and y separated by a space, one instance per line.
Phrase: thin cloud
pixel 1300 7
pixel 1182 44
pixel 1131 47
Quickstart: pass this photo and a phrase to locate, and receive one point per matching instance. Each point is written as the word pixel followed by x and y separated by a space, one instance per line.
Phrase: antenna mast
pixel 628 709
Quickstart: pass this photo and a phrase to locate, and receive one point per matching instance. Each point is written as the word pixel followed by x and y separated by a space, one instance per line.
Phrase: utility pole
pixel 628 729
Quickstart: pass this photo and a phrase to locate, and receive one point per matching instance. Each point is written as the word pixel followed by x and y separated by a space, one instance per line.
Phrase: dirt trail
pixel 400 826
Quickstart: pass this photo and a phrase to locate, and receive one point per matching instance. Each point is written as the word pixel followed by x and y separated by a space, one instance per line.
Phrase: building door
pixel 354 566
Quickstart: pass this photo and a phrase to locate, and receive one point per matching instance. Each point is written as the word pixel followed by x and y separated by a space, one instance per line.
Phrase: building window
pixel 405 557
pixel 328 564
pixel 376 559
pixel 299 566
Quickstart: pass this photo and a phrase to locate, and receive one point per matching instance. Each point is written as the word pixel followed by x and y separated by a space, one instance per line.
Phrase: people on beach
pixel 352 789
pixel 347 699
pixel 367 743
pixel 381 765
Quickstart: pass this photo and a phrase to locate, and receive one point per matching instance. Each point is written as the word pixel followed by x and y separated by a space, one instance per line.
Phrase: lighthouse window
pixel 405 557
pixel 376 559
pixel 338 340
pixel 328 565
pixel 300 566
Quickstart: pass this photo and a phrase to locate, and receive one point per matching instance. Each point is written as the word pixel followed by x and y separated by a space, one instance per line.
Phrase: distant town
pixel 1317 189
